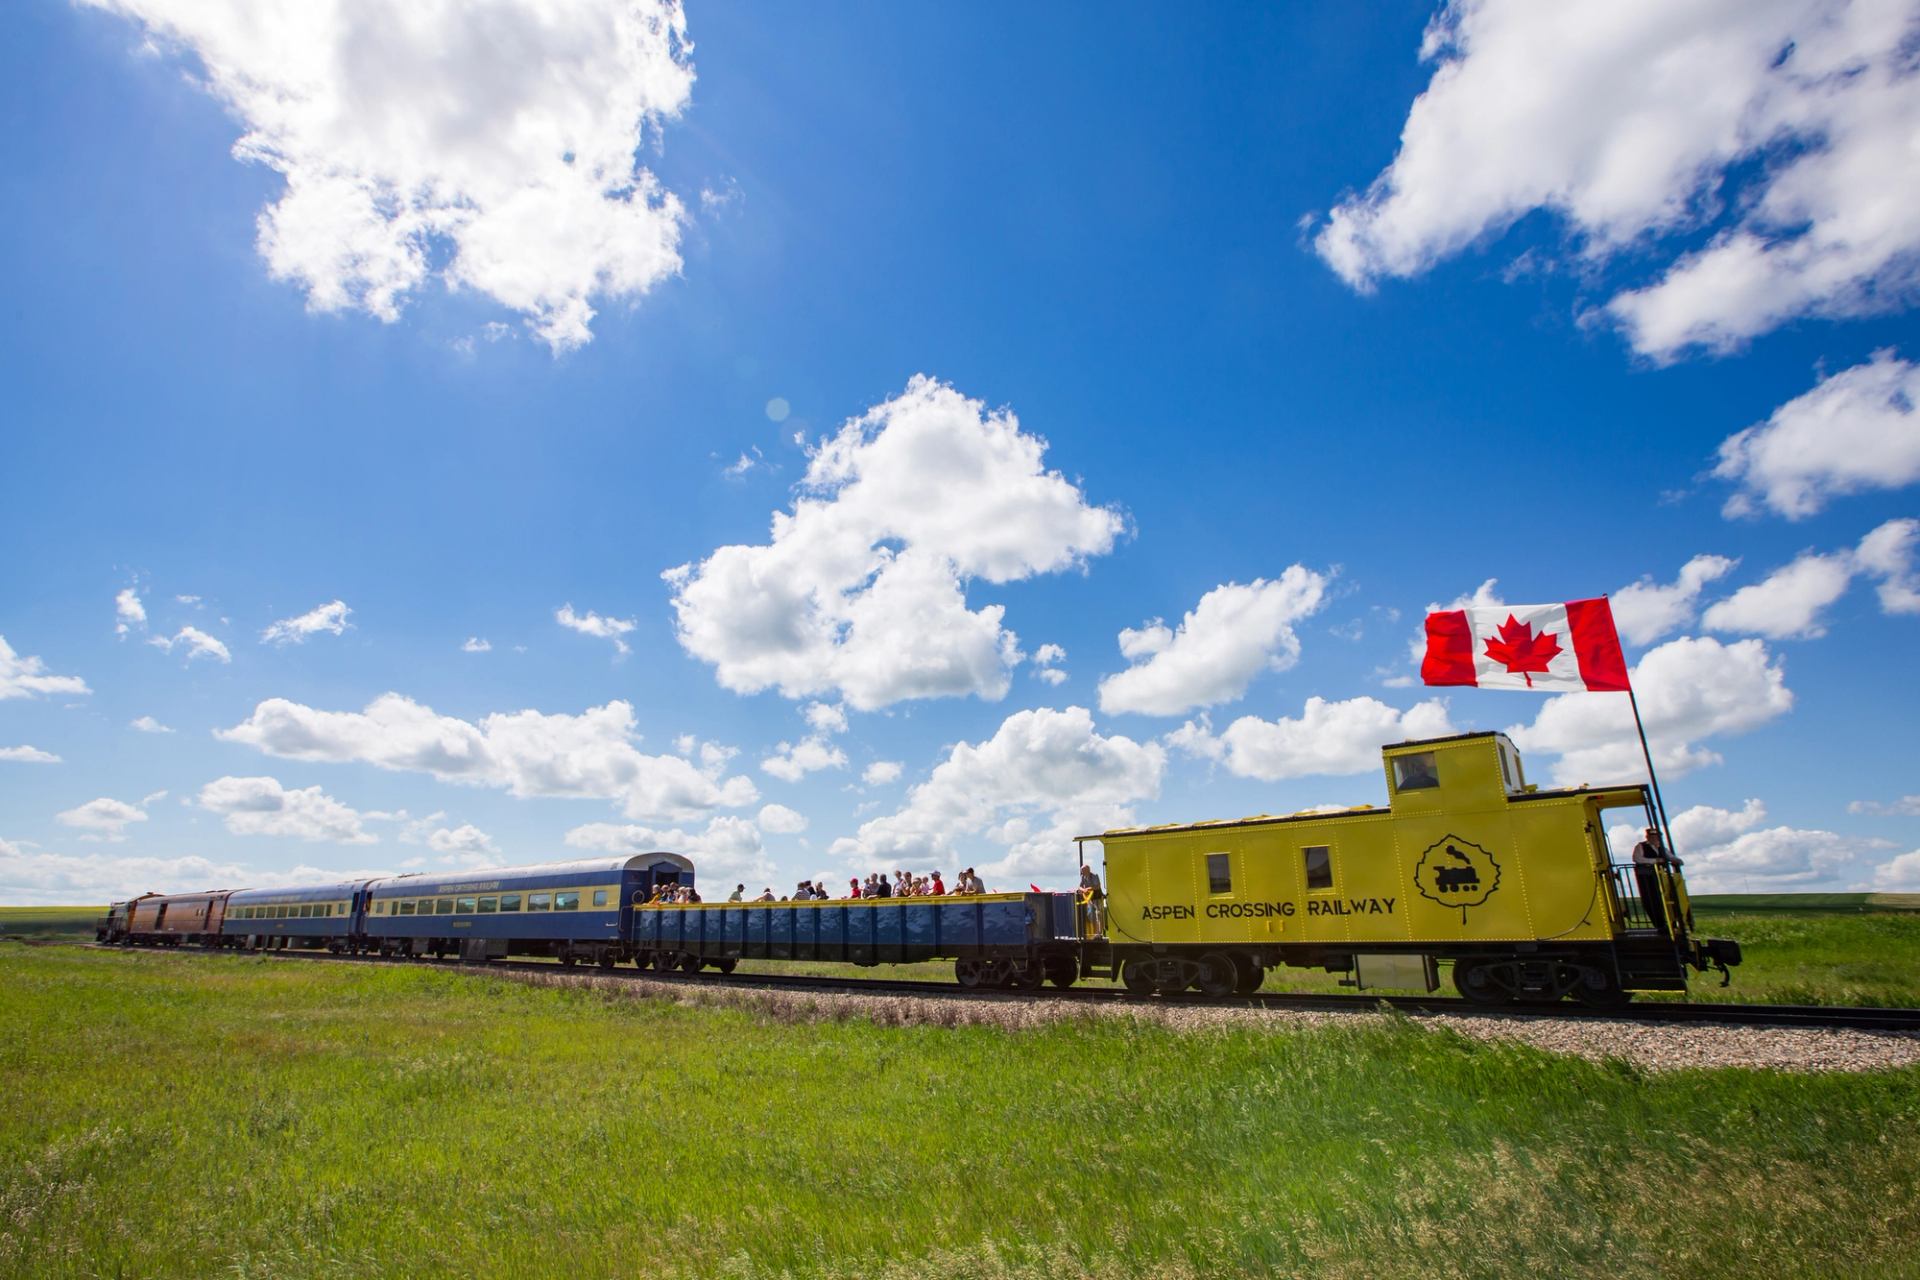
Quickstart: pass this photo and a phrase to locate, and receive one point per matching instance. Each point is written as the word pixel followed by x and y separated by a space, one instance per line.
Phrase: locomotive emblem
pixel 1457 873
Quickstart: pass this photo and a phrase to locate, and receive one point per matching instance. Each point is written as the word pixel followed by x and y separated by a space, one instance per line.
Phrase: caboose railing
pixel 1626 892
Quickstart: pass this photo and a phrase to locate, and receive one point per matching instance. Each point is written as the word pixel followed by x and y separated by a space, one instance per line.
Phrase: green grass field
pixel 194 1115
pixel 49 922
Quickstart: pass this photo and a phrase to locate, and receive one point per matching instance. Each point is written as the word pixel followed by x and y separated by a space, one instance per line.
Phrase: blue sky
pixel 1316 333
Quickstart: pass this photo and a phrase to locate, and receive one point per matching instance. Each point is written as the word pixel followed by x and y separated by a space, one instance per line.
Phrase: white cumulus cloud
pixel 491 144
pixel 1647 610
pixel 475 644
pixel 1231 636
pixel 330 618
pixel 592 624
pixel 861 589
pixel 128 611
pixel 881 772
pixel 1326 738
pixel 263 807
pixel 792 761
pixel 27 755
pixel 526 753
pixel 147 724
pixel 1789 602
pixel 1639 125
pixel 1792 601
pixel 781 820
pixel 197 643
pixel 826 717
pixel 25 676
pixel 1856 430
pixel 1042 774
pixel 103 819
pixel 1691 689
pixel 728 848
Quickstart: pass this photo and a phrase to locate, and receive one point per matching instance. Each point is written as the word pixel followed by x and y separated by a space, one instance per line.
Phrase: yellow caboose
pixel 1512 884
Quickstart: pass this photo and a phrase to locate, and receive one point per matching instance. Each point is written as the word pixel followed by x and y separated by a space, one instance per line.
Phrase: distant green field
pixel 192 1115
pixel 49 921
pixel 1851 902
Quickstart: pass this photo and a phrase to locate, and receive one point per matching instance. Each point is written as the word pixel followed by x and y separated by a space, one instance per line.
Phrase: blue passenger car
pixel 571 910
pixel 994 939
pixel 312 916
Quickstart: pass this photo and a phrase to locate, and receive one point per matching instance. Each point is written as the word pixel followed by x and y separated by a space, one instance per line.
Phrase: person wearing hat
pixel 1649 855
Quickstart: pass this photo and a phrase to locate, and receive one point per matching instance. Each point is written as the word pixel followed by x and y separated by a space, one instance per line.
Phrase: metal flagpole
pixel 1660 806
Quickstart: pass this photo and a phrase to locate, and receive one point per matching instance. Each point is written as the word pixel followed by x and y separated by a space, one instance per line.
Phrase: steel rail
pixel 1847 1017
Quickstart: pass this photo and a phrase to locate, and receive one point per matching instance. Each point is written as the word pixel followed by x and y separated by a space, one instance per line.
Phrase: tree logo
pixel 1457 873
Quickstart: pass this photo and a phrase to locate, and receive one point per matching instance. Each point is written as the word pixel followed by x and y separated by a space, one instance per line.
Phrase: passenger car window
pixel 566 901
pixel 1415 772
pixel 443 906
pixel 406 908
pixel 1319 862
pixel 464 907
pixel 489 905
pixel 539 902
pixel 1219 873
pixel 509 902
pixel 599 897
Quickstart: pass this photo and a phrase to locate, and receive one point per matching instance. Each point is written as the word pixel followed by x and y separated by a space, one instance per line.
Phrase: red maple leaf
pixel 1521 651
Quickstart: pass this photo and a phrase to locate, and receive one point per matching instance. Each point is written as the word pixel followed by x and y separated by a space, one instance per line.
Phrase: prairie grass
pixel 212 1115
pixel 49 922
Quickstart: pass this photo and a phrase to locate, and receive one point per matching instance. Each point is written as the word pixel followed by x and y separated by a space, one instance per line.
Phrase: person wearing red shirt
pixel 939 890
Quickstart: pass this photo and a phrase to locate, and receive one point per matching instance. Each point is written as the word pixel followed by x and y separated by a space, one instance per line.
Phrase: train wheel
pixel 726 966
pixel 1477 980
pixel 968 973
pixel 606 959
pixel 1026 976
pixel 1218 975
pixel 643 959
pixel 1600 989
pixel 1138 975
pixel 1248 977
pixel 1062 971
pixel 689 963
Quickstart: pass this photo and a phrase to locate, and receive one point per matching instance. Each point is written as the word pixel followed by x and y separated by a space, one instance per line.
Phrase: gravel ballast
pixel 1647 1046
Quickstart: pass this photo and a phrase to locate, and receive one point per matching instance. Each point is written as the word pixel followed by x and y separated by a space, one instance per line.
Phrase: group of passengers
pixel 673 894
pixel 874 886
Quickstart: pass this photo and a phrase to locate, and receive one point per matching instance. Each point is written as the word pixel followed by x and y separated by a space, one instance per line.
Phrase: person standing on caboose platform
pixel 1648 855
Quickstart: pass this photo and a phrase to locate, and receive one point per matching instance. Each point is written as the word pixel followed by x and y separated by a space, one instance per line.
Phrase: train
pixel 1511 886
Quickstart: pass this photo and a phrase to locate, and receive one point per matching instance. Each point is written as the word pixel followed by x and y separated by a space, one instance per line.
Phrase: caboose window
pixel 1219 873
pixel 1415 772
pixel 1319 864
pixel 566 902
pixel 509 902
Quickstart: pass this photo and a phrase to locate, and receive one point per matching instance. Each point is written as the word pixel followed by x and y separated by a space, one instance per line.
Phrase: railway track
pixel 1853 1018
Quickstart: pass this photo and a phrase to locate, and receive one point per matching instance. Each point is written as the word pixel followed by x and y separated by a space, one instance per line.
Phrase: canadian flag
pixel 1549 647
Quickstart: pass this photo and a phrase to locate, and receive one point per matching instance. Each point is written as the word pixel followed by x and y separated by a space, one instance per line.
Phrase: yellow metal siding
pixel 1460 862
